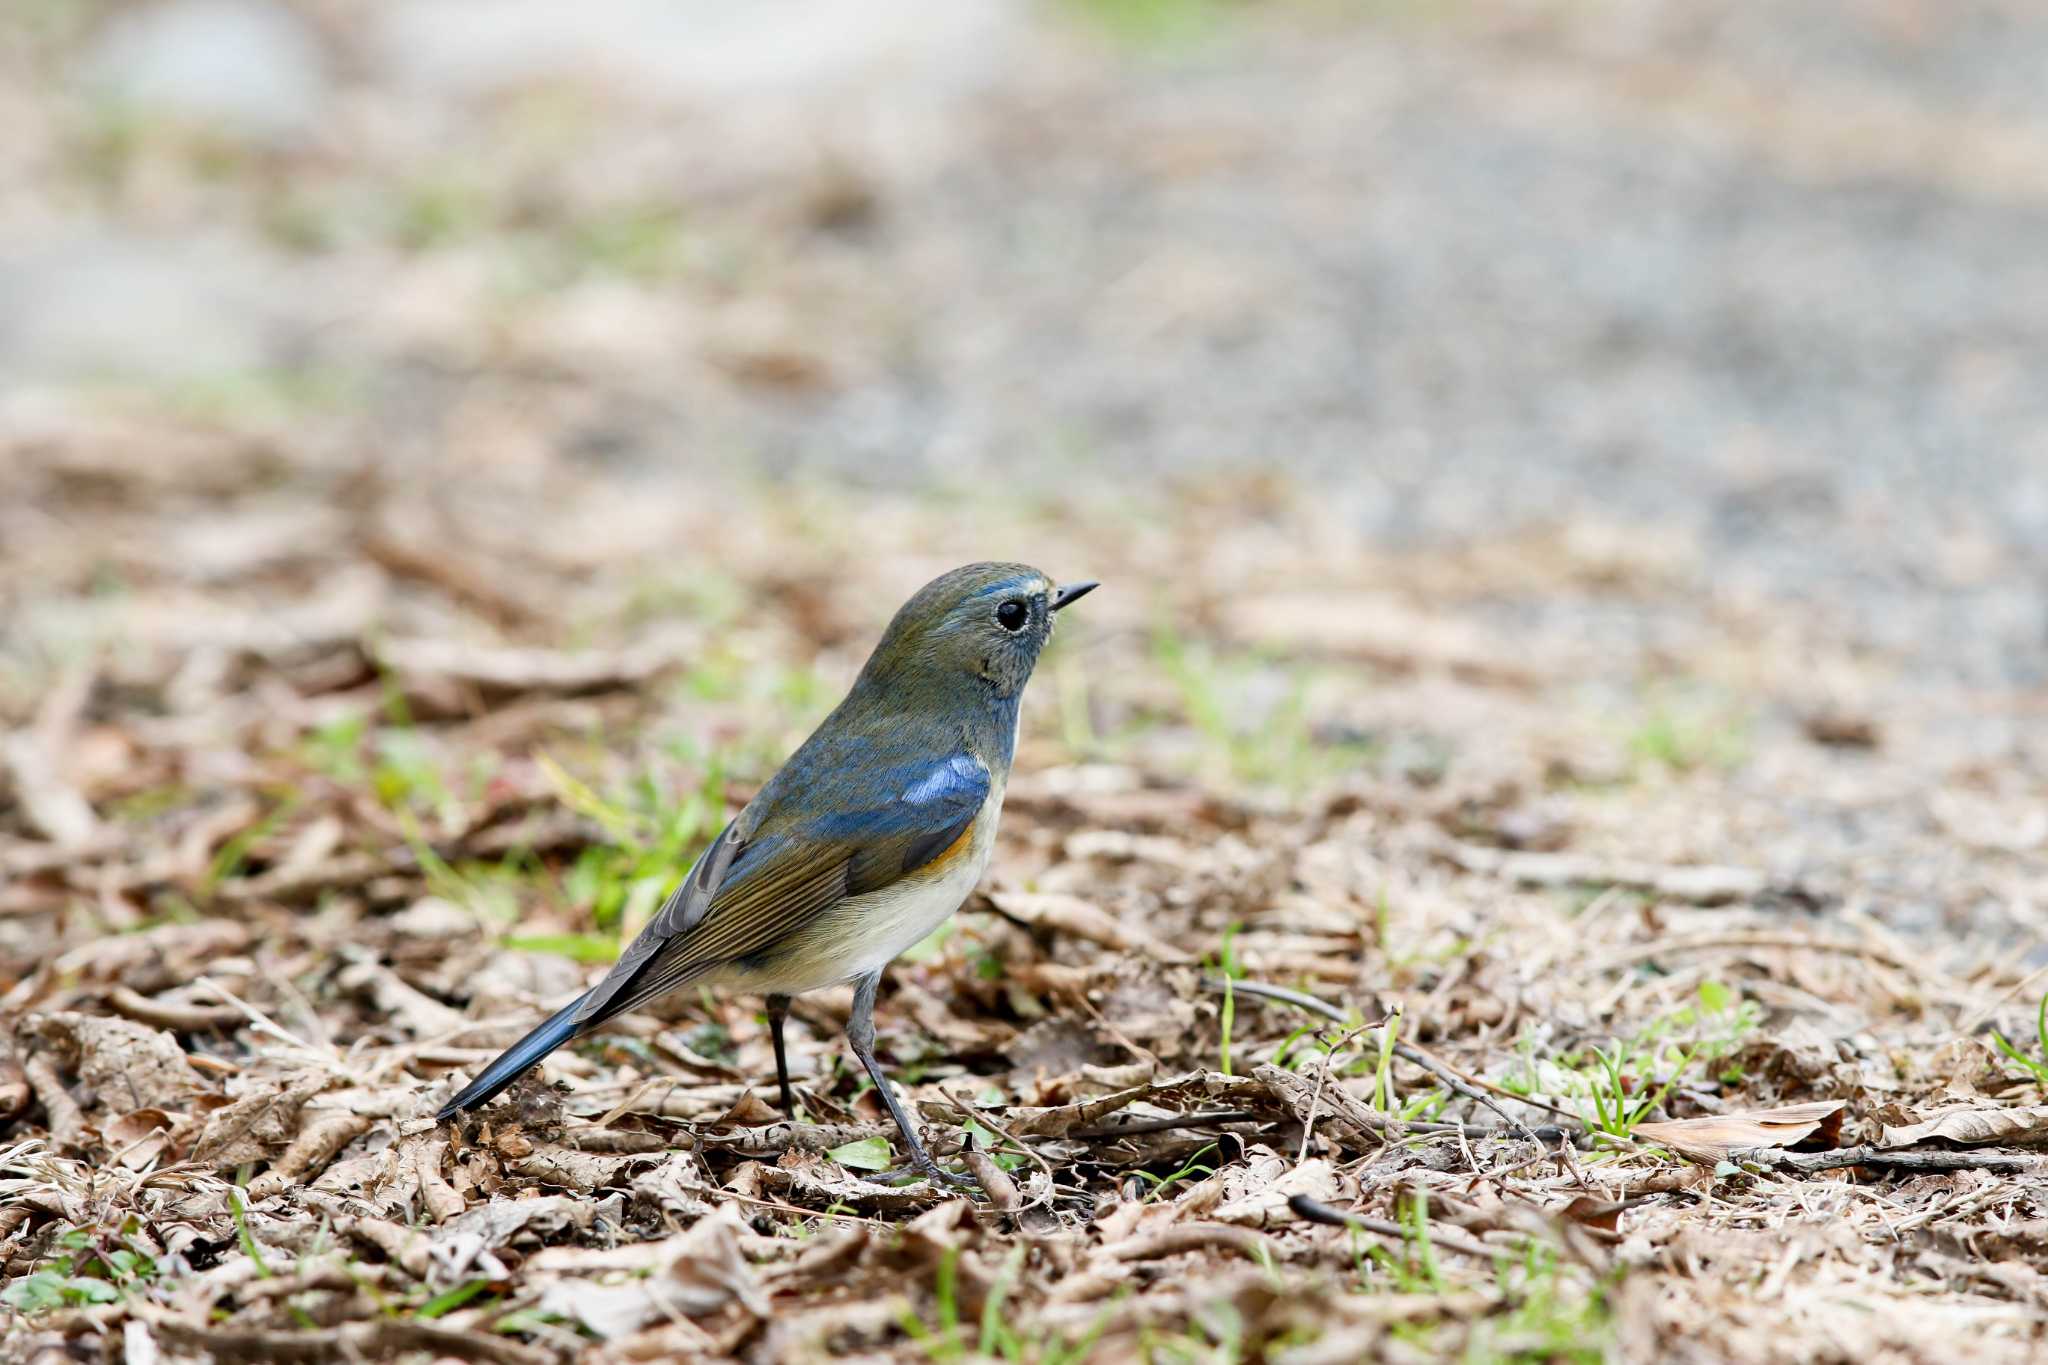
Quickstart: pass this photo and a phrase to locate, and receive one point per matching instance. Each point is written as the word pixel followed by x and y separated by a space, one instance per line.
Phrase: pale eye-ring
pixel 1012 615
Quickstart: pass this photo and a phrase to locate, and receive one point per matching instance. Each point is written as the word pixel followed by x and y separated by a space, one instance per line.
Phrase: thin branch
pixel 1298 999
pixel 1316 1211
pixel 1164 1123
pixel 1884 1159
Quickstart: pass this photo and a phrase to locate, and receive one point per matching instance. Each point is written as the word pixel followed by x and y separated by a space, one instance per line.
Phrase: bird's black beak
pixel 1070 593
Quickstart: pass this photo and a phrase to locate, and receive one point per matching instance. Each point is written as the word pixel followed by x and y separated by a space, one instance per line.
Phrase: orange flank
pixel 947 855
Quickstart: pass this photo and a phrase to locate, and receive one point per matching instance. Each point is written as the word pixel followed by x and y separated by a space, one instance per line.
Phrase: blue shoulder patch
pixel 960 775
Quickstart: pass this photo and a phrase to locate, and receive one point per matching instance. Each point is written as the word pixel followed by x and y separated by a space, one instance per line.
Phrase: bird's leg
pixel 778 1011
pixel 860 1035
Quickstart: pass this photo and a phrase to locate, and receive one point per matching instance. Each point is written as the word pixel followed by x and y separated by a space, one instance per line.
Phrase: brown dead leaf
pixel 1048 1121
pixel 251 1128
pixel 569 1168
pixel 437 1196
pixel 14 1087
pixel 694 1274
pixel 751 1111
pixel 324 1132
pixel 1261 1200
pixel 2024 1126
pixel 123 1064
pixel 1709 1140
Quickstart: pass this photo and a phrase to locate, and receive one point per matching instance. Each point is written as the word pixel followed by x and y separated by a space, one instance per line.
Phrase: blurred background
pixel 1623 422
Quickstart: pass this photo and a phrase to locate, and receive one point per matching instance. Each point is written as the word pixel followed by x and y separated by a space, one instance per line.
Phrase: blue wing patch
pixel 959 776
pixel 933 809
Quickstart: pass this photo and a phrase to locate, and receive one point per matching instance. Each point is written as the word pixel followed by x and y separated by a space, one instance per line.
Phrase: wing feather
pixel 776 868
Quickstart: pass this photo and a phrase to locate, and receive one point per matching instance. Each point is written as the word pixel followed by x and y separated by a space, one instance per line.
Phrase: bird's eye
pixel 1012 615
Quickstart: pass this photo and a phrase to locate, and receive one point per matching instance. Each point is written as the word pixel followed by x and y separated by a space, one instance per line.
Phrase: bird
pixel 870 836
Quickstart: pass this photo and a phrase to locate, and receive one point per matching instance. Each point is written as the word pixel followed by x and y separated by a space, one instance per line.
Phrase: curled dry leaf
pixel 122 1064
pixel 1262 1201
pixel 251 1128
pixel 324 1132
pixel 136 1139
pixel 1710 1139
pixel 555 1164
pixel 437 1196
pixel 2023 1126
pixel 469 1238
pixel 694 1274
pixel 14 1087
pixel 994 1180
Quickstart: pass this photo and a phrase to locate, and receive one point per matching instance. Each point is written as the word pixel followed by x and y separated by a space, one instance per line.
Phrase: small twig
pixel 717 1192
pixel 1883 1159
pixel 258 1020
pixel 1164 1123
pixel 1482 1083
pixel 1316 1211
pixel 1315 1098
pixel 172 1014
pixel 1470 1087
pixel 1457 1082
pixel 1299 999
pixel 1186 1237
pixel 1350 1112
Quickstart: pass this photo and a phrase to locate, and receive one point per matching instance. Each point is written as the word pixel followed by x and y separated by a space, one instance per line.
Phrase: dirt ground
pixel 1536 852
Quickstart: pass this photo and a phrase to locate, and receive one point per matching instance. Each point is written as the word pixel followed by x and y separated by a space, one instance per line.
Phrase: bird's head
pixel 988 621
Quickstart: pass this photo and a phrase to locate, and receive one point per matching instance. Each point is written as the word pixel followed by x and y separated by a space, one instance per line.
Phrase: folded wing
pixel 776 868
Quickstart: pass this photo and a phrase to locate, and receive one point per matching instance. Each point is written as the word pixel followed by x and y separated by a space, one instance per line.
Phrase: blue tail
pixel 515 1061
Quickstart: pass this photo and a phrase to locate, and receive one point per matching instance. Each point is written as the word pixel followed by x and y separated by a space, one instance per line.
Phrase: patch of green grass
pixel 1194 1167
pixel 85 1270
pixel 1216 1334
pixel 451 1300
pixel 405 774
pixel 652 833
pixel 1548 1319
pixel 1617 1086
pixel 1152 23
pixel 1383 1065
pixel 1683 737
pixel 335 747
pixel 269 395
pixel 1251 714
pixel 576 947
pixel 1227 966
pixel 642 242
pixel 1621 1101
pixel 439 211
pixel 2037 1067
pixel 233 854
pixel 999 1336
pixel 242 1233
pixel 1543 1316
